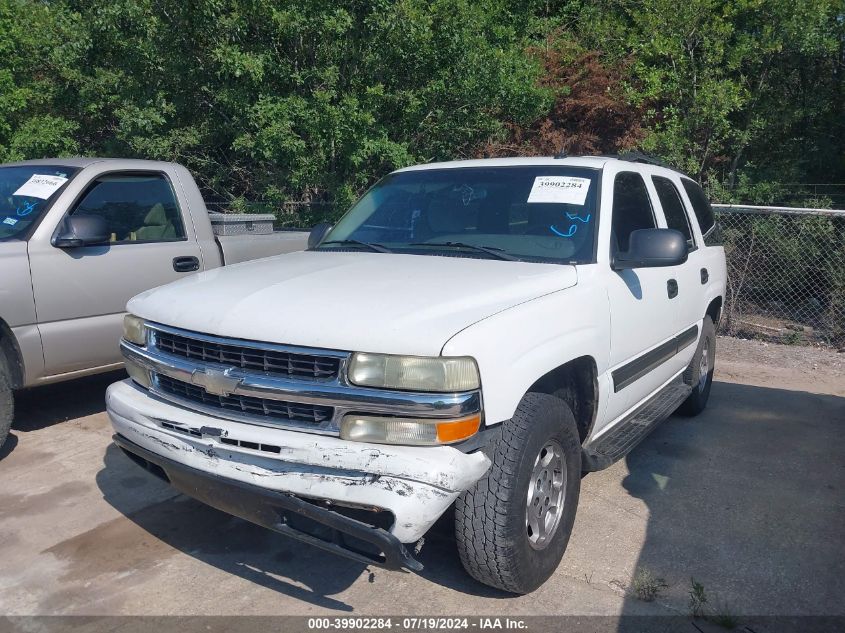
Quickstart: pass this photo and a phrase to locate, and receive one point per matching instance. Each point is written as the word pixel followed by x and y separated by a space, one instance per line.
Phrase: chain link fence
pixel 786 274
pixel 786 267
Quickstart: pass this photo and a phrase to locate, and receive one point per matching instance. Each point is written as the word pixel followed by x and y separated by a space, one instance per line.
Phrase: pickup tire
pixel 6 401
pixel 501 542
pixel 699 373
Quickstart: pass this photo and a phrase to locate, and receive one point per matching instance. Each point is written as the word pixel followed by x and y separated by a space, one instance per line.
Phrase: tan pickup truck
pixel 78 238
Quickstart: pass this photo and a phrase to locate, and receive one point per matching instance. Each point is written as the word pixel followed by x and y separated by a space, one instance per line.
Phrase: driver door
pixel 81 293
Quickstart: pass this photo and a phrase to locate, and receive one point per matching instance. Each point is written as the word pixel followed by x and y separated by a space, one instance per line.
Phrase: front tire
pixel 513 526
pixel 6 402
pixel 699 374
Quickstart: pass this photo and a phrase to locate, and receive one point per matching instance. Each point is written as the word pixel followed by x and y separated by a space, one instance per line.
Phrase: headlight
pixel 134 329
pixel 408 431
pixel 414 373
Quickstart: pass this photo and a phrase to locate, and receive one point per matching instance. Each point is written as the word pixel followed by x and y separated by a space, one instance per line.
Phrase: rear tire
pixel 513 526
pixel 699 374
pixel 6 401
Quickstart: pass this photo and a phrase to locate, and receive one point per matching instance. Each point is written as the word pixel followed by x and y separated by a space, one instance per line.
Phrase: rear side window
pixel 701 207
pixel 673 208
pixel 136 207
pixel 631 209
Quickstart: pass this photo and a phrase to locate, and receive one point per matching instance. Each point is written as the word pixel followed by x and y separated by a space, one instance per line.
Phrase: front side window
pixel 673 208
pixel 529 213
pixel 136 207
pixel 25 193
pixel 631 209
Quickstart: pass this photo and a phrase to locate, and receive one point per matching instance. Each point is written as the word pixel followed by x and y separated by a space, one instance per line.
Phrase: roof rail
pixel 639 157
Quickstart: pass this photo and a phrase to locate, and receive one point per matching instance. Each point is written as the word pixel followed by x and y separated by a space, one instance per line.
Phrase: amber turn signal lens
pixel 456 430
pixel 408 431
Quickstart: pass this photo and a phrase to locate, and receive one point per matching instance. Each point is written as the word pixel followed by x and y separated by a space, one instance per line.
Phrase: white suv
pixel 476 333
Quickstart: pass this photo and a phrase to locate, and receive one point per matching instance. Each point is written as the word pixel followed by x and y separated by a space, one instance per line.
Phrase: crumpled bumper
pixel 415 484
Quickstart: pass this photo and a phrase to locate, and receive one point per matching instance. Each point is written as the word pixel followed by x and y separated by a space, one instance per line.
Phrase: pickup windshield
pixel 25 193
pixel 528 213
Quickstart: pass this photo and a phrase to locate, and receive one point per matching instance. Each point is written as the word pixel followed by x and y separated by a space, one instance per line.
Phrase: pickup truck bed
pixel 241 248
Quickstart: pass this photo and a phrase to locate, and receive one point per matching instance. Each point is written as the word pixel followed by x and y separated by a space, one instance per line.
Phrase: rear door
pixel 692 274
pixel 81 293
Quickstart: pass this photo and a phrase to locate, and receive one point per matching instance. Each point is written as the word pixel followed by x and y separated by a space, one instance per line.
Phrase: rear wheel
pixel 6 401
pixel 699 374
pixel 513 526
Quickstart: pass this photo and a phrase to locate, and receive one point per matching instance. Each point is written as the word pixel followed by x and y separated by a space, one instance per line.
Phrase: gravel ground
pixel 811 369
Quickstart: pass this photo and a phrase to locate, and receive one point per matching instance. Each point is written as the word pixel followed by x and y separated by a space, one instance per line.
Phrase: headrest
pixel 156 216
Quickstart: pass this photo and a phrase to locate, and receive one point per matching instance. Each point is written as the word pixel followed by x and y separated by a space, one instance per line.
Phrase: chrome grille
pixel 271 361
pixel 270 410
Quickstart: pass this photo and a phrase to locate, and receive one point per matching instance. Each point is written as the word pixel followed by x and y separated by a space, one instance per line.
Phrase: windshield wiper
pixel 378 248
pixel 493 251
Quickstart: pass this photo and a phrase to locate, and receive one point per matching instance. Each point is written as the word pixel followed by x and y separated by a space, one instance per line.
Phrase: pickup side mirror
pixel 318 233
pixel 649 248
pixel 82 230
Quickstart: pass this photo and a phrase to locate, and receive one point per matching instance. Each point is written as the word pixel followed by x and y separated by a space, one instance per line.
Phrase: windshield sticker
pixel 25 209
pixel 40 186
pixel 559 189
pixel 10 221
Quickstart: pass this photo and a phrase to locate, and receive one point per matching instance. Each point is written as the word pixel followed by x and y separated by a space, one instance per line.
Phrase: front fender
pixel 516 347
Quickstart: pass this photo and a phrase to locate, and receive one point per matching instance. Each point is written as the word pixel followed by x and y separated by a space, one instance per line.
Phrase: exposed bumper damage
pixel 415 484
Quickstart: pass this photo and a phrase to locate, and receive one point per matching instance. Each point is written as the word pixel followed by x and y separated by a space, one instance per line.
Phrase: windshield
pixel 530 213
pixel 25 192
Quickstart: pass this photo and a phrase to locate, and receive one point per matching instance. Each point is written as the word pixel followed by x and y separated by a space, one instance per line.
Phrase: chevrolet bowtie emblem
pixel 218 383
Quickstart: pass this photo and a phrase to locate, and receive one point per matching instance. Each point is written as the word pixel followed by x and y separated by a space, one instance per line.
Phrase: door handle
pixel 186 264
pixel 705 276
pixel 672 288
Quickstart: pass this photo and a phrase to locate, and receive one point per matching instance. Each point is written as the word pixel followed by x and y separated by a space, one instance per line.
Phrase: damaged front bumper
pixel 271 476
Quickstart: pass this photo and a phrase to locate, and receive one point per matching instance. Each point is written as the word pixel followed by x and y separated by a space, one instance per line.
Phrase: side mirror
pixel 651 248
pixel 82 230
pixel 318 233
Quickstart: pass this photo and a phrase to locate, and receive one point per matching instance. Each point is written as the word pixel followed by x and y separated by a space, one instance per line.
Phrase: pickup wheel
pixel 6 402
pixel 513 526
pixel 699 374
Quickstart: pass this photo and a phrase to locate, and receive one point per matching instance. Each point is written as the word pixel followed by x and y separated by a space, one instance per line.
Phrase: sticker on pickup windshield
pixel 559 190
pixel 10 221
pixel 40 186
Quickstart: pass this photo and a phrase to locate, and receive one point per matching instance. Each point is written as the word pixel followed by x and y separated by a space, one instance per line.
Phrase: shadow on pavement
pixel 39 407
pixel 8 445
pixel 260 555
pixel 228 543
pixel 747 498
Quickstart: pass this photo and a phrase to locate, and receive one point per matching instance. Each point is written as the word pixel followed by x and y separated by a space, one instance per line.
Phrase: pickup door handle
pixel 672 288
pixel 705 276
pixel 186 264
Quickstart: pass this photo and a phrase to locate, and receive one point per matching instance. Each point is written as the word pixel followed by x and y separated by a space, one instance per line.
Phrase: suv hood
pixel 373 302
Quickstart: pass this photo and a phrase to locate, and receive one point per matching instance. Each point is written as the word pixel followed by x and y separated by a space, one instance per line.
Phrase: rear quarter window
pixel 703 212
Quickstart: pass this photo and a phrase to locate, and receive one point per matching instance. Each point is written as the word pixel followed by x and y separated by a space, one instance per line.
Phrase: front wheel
pixel 513 526
pixel 699 374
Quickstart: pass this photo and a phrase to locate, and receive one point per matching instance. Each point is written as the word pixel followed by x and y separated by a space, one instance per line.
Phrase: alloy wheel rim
pixel 546 495
pixel 704 366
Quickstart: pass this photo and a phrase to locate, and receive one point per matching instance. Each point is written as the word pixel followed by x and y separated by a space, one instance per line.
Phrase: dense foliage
pixel 314 99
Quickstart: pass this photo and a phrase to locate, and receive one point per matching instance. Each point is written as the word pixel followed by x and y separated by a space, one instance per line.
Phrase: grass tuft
pixel 646 585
